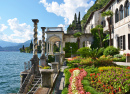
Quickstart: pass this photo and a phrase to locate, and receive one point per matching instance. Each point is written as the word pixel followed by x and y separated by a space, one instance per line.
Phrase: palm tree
pixel 108 14
pixel 99 28
pixel 77 35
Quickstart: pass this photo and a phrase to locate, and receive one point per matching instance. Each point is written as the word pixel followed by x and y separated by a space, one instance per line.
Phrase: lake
pixel 11 64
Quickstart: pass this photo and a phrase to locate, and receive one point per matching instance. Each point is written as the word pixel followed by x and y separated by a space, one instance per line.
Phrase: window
pixel 91 26
pixel 126 8
pixel 121 42
pixel 116 16
pixel 121 12
pixel 118 1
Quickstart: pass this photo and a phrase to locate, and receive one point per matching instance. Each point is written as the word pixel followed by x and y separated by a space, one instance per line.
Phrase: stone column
pixel 55 67
pixel 35 59
pixel 61 46
pixel 47 49
pixel 43 57
pixel 47 77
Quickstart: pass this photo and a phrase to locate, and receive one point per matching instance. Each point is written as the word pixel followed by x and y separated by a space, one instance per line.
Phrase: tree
pixel 79 18
pixel 23 47
pixel 108 14
pixel 99 27
pixel 75 18
pixel 77 35
pixel 31 45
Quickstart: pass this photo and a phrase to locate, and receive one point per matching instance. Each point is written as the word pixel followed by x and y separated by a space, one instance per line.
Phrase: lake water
pixel 11 64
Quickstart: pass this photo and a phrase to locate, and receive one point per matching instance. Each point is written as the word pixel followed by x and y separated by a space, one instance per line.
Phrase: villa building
pixel 93 20
pixel 120 24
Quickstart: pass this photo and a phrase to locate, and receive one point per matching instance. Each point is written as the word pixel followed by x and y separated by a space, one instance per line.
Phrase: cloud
pixel 3 27
pixel 68 8
pixel 21 32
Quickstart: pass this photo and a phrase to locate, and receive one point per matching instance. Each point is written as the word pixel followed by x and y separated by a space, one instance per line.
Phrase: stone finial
pixel 35 21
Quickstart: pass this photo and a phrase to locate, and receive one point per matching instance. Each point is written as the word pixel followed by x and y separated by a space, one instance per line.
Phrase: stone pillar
pixel 61 46
pixel 47 49
pixel 55 67
pixel 43 57
pixel 35 59
pixel 47 77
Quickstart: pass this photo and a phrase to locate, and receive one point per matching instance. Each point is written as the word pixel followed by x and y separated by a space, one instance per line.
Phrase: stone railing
pixel 27 65
pixel 25 82
pixel 54 29
pixel 49 77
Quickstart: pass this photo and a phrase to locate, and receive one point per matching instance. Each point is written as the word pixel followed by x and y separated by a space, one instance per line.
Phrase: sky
pixel 16 16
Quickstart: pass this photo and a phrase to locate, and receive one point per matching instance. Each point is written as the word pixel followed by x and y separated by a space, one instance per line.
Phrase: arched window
pixel 121 12
pixel 116 16
pixel 126 8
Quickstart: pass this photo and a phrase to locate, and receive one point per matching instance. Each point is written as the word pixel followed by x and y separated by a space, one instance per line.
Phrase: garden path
pixel 60 81
pixel 123 63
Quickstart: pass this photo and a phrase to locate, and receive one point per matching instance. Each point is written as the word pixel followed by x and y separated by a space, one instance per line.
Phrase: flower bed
pixel 111 81
pixel 75 86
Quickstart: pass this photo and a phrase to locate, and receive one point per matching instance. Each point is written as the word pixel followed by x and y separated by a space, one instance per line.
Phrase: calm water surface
pixel 11 64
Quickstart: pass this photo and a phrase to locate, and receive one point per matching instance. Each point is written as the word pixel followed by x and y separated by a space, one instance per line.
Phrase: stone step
pixel 34 82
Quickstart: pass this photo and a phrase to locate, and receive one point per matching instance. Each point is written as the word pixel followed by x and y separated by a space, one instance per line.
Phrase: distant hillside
pixel 6 44
pixel 16 48
pixel 98 5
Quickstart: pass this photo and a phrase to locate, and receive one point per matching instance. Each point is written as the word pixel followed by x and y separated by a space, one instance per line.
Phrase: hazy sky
pixel 16 16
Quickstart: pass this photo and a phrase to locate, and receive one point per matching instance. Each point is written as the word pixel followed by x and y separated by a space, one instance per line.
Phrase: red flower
pixel 119 89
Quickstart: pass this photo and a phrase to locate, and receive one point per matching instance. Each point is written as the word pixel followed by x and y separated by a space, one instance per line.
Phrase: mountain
pixel 17 47
pixel 6 44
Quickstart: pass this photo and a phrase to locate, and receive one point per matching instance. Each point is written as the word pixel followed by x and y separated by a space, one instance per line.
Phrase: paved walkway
pixel 123 63
pixel 60 81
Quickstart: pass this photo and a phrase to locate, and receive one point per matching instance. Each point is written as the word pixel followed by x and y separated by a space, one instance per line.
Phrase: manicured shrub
pixel 87 61
pixel 122 59
pixel 65 91
pixel 118 56
pixel 84 52
pixel 103 61
pixel 67 76
pixel 110 50
pixel 67 55
pixel 100 52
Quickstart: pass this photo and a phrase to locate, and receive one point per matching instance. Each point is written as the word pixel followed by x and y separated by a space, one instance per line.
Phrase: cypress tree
pixel 23 47
pixel 75 18
pixel 79 18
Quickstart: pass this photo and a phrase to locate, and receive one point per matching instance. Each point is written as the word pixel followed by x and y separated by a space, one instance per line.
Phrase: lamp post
pixel 71 51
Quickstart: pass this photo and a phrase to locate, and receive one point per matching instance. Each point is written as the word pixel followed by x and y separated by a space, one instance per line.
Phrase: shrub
pixel 67 55
pixel 100 52
pixel 65 91
pixel 104 61
pixel 87 61
pixel 107 68
pixel 67 76
pixel 51 58
pixel 118 56
pixel 84 52
pixel 110 50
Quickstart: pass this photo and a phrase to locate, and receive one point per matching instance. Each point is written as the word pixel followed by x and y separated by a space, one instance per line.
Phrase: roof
pixel 109 3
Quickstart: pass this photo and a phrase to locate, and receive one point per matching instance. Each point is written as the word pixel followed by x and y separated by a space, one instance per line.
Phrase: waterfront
pixel 11 64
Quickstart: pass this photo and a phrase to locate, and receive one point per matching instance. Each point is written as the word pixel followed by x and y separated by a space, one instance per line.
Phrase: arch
pixel 116 16
pixel 53 38
pixel 126 8
pixel 121 12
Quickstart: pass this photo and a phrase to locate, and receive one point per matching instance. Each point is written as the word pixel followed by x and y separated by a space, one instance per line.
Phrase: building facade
pixel 120 24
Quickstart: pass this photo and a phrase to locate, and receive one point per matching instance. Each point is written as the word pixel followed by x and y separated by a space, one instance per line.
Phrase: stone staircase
pixel 35 84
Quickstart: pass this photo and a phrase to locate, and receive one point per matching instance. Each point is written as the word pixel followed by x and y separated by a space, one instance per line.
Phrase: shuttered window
pixel 118 42
pixel 123 42
pixel 129 41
